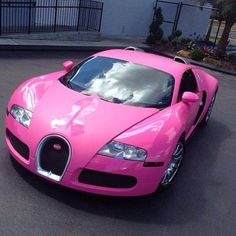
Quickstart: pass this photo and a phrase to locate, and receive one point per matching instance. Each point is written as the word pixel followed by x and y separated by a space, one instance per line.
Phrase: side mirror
pixel 68 65
pixel 190 97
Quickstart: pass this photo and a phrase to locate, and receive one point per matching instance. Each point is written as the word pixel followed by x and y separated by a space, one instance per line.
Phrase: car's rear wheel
pixel 208 113
pixel 173 166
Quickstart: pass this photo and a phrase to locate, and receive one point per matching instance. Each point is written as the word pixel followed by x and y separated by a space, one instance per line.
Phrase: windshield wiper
pixel 113 100
pixel 87 93
pixel 145 105
pixel 105 99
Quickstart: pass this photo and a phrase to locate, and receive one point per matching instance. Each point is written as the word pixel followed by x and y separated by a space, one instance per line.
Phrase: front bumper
pixel 140 180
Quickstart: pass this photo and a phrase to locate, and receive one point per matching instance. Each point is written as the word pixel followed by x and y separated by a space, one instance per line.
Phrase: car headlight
pixel 21 115
pixel 123 151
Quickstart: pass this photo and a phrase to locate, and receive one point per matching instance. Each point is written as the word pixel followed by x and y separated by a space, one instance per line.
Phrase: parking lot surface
pixel 201 202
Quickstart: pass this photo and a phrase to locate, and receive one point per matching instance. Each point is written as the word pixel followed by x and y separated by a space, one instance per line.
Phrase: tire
pixel 207 116
pixel 173 166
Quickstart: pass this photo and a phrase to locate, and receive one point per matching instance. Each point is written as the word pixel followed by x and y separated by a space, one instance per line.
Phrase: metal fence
pixel 31 16
pixel 178 15
pixel 176 12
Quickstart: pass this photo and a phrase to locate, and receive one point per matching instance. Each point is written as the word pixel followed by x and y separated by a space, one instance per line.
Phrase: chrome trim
pixel 131 48
pixel 181 60
pixel 43 172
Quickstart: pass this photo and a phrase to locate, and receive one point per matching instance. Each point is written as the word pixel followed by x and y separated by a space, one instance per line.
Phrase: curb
pixel 36 47
pixel 53 48
pixel 61 48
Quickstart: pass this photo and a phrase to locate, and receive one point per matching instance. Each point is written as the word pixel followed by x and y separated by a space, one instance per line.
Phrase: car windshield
pixel 120 81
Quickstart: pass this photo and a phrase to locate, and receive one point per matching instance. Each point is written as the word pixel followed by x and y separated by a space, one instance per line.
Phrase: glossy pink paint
pixel 88 123
pixel 68 65
pixel 189 97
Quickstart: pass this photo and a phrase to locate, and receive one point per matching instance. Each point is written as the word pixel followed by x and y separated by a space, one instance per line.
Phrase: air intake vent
pixel 108 180
pixel 18 145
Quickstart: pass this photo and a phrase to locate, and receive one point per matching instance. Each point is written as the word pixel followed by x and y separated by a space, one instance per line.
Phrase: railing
pixel 31 16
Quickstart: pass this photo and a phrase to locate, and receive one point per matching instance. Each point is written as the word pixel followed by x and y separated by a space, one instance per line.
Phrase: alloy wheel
pixel 174 164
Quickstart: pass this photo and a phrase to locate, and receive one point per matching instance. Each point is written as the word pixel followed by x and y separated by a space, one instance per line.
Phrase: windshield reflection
pixel 120 81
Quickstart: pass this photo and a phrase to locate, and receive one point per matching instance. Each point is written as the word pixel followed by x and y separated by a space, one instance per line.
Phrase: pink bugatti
pixel 115 124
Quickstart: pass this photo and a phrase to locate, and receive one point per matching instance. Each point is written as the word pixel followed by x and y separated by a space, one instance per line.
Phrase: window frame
pixel 195 90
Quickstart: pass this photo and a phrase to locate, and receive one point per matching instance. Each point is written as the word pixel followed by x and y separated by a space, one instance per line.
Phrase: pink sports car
pixel 115 124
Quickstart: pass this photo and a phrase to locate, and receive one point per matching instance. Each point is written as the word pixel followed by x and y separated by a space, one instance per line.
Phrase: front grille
pixel 108 180
pixel 18 145
pixel 53 155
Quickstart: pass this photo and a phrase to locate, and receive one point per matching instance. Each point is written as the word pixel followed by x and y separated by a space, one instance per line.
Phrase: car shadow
pixel 184 202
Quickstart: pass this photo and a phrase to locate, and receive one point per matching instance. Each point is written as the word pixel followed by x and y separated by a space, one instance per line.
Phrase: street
pixel 202 201
pixel 232 36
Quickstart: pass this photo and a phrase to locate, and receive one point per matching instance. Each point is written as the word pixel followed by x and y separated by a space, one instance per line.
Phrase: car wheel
pixel 208 113
pixel 173 166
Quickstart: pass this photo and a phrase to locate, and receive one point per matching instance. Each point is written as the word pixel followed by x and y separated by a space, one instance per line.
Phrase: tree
pixel 227 10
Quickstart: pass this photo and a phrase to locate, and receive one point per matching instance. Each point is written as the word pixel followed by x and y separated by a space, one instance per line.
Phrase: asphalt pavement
pixel 202 201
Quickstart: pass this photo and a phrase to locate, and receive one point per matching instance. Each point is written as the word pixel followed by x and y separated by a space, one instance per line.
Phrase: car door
pixel 189 84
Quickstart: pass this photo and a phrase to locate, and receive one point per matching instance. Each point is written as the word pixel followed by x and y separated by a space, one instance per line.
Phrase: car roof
pixel 176 69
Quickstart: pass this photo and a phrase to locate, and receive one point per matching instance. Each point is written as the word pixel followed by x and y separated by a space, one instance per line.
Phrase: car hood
pixel 87 122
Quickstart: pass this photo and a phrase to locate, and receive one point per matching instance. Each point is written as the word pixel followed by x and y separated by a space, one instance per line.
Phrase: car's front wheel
pixel 173 166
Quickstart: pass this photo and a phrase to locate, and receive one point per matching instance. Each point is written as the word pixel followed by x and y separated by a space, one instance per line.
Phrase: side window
pixel 188 84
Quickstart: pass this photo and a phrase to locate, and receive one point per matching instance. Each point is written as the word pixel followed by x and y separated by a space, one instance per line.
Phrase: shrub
pixel 174 38
pixel 185 40
pixel 232 58
pixel 175 35
pixel 156 33
pixel 174 42
pixel 178 33
pixel 151 39
pixel 171 37
pixel 164 41
pixel 197 54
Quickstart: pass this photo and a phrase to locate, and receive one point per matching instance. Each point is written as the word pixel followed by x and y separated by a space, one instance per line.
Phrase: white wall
pixel 133 17
pixel 127 17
